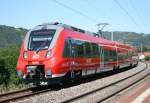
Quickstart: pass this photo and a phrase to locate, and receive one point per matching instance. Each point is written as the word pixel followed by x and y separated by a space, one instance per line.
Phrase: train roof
pixel 69 27
pixel 96 39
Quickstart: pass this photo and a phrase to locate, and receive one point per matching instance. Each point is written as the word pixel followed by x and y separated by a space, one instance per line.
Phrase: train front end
pixel 36 58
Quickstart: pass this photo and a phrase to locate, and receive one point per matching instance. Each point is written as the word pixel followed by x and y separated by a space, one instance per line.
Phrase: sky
pixel 122 15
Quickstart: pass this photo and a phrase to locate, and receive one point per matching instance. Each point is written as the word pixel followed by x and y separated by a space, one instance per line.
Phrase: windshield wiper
pixel 41 46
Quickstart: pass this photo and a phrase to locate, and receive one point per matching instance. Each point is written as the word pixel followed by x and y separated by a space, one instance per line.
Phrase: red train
pixel 50 52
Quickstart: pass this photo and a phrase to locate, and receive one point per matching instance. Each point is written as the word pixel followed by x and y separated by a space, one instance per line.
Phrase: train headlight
pixel 25 55
pixel 48 54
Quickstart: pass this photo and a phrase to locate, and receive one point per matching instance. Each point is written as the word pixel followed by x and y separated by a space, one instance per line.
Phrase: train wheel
pixel 137 63
pixel 78 75
pixel 131 65
pixel 66 79
pixel 71 77
pixel 114 68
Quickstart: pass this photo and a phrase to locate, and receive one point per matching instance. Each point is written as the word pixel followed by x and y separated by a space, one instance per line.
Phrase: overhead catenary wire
pixel 76 11
pixel 137 12
pixel 96 9
pixel 92 19
pixel 127 13
pixel 134 8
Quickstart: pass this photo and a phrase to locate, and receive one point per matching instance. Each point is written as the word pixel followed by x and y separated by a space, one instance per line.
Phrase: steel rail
pixel 130 85
pixel 109 85
pixel 6 97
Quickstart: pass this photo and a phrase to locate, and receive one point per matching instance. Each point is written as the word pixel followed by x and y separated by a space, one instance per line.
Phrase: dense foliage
pixel 8 61
pixel 10 40
pixel 147 58
pixel 10 35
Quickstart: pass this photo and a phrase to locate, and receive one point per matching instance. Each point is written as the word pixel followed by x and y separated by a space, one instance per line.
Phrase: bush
pixel 8 61
pixel 147 58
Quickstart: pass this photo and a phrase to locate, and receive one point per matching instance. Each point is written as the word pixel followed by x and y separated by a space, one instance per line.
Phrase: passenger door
pixel 72 53
pixel 101 57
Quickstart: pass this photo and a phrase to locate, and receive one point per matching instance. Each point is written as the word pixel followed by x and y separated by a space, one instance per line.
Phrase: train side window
pixel 88 52
pixel 74 45
pixel 67 48
pixel 121 55
pixel 95 49
pixel 80 48
pixel 110 55
pixel 114 55
pixel 73 48
pixel 106 55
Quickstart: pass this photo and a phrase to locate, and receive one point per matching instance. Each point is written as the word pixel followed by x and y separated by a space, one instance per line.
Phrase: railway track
pixel 37 90
pixel 6 97
pixel 112 89
pixel 15 94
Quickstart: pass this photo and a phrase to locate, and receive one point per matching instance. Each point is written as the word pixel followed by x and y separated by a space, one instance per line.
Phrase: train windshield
pixel 40 39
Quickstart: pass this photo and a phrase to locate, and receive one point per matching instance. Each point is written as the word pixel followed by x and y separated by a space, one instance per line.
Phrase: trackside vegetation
pixel 10 40
pixel 147 58
pixel 8 61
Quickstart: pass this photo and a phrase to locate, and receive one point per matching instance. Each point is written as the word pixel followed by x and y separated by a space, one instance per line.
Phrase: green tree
pixel 8 61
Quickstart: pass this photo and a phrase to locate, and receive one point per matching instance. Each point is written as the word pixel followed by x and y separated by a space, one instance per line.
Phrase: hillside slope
pixel 135 39
pixel 10 35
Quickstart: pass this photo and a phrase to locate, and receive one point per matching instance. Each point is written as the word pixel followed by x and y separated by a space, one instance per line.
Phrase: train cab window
pixel 40 39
